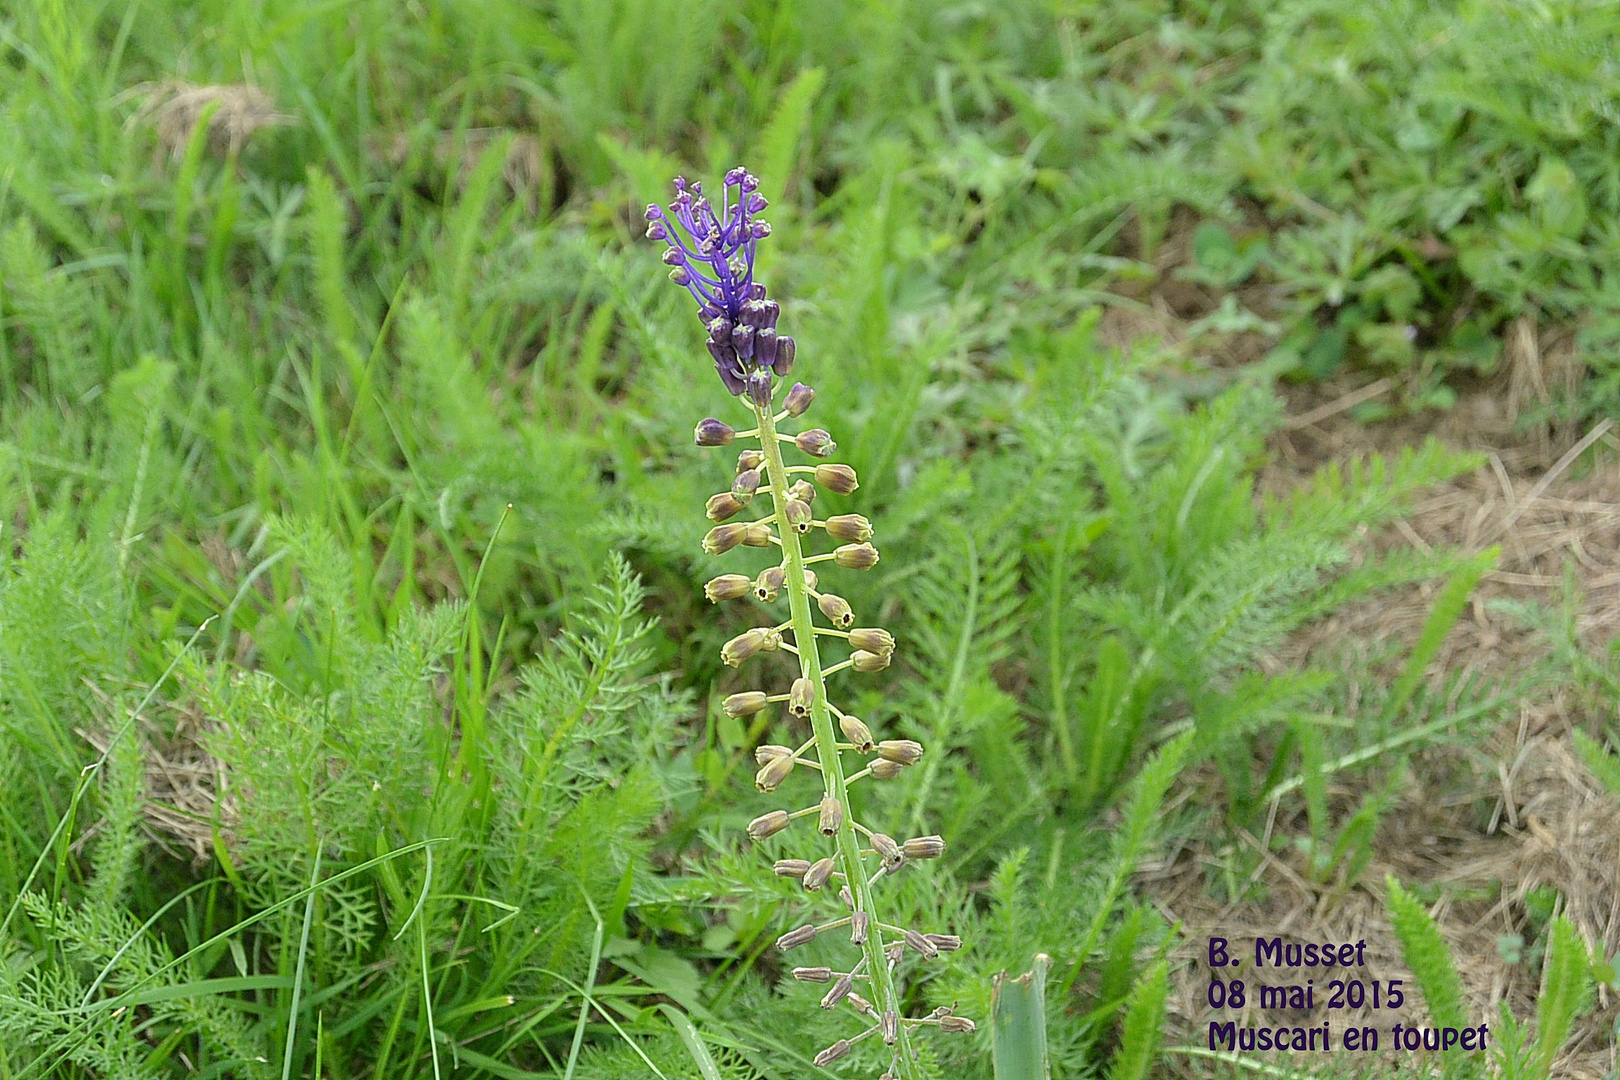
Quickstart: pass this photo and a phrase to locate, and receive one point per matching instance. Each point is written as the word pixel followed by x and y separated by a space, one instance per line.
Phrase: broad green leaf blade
pixel 1018 1024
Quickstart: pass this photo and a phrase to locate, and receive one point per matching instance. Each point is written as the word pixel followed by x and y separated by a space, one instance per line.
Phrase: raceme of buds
pixel 710 250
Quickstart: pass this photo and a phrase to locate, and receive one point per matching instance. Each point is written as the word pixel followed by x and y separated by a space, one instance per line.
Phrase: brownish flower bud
pixel 872 639
pixel 924 847
pixel 957 1025
pixel 800 697
pixel 746 485
pixel 831 1054
pixel 768 824
pixel 802 491
pixel 765 753
pixel 820 872
pixel 832 816
pixel 860 924
pixel 722 538
pixel 744 645
pixel 798 399
pixel 840 990
pixel 837 610
pixel 885 770
pixel 712 432
pixel 861 1005
pixel 798 515
pixel 849 527
pixel 813 974
pixel 889 1026
pixel 746 703
pixel 722 506
pixel 922 944
pixel 859 735
pixel 861 660
pixel 856 556
pixel 838 479
pixel 726 587
pixel 887 850
pixel 773 641
pixel 895 953
pixel 900 751
pixel 793 868
pixel 945 942
pixel 810 579
pixel 815 442
pixel 758 535
pixel 750 459
pixel 846 897
pixel 794 938
pixel 769 583
pixel 772 773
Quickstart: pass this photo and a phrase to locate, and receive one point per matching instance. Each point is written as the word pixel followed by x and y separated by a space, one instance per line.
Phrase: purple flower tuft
pixel 712 255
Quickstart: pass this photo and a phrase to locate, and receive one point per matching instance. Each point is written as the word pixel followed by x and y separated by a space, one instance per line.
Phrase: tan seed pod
pixel 802 935
pixel 798 515
pixel 832 1053
pixel 945 942
pixel 957 1025
pixel 820 872
pixel 860 924
pixel 840 990
pixel 924 847
pixel 856 556
pixel 837 610
pixel 758 535
pixel 900 751
pixel 859 735
pixel 793 868
pixel 801 697
pixel 832 816
pixel 921 944
pixel 886 848
pixel 746 703
pixel 813 974
pixel 884 769
pixel 726 587
pixel 768 824
pixel 724 505
pixel 890 1027
pixel 861 1005
pixel 769 583
pixel 861 660
pixel 838 479
pixel 873 639
pixel 851 527
pixel 722 538
pixel 771 775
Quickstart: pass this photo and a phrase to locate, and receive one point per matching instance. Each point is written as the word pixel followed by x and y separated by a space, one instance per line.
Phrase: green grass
pixel 348 465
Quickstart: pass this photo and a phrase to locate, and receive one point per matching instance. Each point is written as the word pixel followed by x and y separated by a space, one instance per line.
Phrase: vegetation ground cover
pixel 355 522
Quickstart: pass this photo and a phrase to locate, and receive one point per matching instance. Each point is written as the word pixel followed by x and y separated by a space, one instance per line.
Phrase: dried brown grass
pixel 235 112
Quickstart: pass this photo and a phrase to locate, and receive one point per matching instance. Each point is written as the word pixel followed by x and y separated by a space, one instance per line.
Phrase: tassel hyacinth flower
pixel 711 254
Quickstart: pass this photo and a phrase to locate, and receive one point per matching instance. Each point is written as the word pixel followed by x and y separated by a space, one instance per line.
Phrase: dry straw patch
pixel 235 112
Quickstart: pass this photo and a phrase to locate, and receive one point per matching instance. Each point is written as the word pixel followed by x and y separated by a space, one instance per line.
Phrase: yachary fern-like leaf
pixel 712 255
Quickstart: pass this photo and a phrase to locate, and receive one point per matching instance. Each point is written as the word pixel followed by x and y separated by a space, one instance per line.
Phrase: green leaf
pixel 1018 1024
pixel 1144 1016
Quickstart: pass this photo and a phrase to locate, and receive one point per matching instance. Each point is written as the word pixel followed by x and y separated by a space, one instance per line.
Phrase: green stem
pixel 884 997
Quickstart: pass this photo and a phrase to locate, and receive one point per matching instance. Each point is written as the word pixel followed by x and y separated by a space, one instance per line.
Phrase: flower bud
pixel 884 769
pixel 723 506
pixel 773 641
pixel 712 432
pixel 846 897
pixel 656 231
pixel 832 816
pixel 890 1027
pixel 849 527
pixel 861 1004
pixel 673 257
pixel 765 753
pixel 798 515
pixel 861 660
pixel 872 639
pixel 856 556
pixel 798 399
pixel 768 824
pixel 746 484
pixel 838 479
pixel 794 938
pixel 800 697
pixel 831 1054
pixel 772 773
pixel 924 847
pixel 757 535
pixel 820 872
pixel 722 538
pixel 837 610
pixel 895 953
pixel 803 491
pixel 815 442
pixel 859 735
pixel 769 583
pixel 726 587
pixel 750 459
pixel 786 348
pixel 929 950
pixel 810 579
pixel 860 924
pixel 760 390
pixel 945 942
pixel 746 703
pixel 793 868
pixel 765 346
pixel 744 645
pixel 887 850
pixel 957 1025
pixel 679 275
pixel 840 990
pixel 813 974
pixel 742 339
pixel 900 751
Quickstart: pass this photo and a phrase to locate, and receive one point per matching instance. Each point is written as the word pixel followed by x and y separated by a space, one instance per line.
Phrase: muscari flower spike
pixel 712 255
